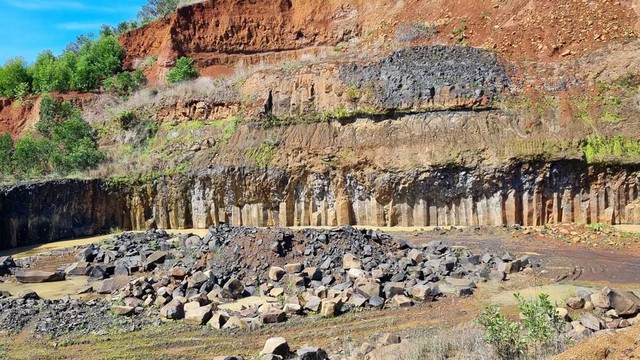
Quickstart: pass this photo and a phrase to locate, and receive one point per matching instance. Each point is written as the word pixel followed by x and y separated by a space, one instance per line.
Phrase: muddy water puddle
pixel 558 293
pixel 52 290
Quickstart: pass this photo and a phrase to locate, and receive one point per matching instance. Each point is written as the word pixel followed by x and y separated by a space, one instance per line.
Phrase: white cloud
pixel 46 5
pixel 76 25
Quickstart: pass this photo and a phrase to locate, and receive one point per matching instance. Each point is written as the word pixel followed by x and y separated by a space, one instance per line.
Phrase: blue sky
pixel 29 26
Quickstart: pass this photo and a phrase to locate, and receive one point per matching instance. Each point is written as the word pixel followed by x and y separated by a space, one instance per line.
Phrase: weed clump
pixel 537 335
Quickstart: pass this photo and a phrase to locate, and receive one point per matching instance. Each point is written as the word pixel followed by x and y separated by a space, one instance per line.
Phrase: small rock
pixel 401 301
pixel 276 273
pixel 122 310
pixel 235 288
pixel 293 268
pixel 174 310
pixel 575 302
pixel 312 353
pixel 28 294
pixel 349 261
pixel 273 316
pixel 389 339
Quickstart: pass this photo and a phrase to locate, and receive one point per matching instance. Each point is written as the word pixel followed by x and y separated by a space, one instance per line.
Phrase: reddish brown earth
pixel 16 116
pixel 219 34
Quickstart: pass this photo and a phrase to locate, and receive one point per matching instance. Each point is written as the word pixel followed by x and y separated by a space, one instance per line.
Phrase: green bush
pixel 262 154
pixel 182 71
pixel 126 119
pixel 31 156
pixel 64 143
pixel 75 147
pixel 43 72
pixel 124 83
pixel 82 66
pixel 6 154
pixel 537 335
pixel 504 335
pixel 97 60
pixel 52 112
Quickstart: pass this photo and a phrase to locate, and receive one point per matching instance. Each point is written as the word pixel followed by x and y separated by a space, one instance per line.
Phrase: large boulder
pixel 422 292
pixel 367 287
pixel 113 284
pixel 80 268
pixel 174 310
pixel 625 303
pixel 276 346
pixel 197 316
pixel 590 322
pixel 36 276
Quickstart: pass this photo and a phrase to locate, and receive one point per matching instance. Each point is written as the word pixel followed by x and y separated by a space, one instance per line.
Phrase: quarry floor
pixel 564 268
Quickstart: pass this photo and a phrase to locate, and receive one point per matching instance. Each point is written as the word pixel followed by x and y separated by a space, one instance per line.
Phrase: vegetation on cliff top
pixel 63 143
pixel 83 66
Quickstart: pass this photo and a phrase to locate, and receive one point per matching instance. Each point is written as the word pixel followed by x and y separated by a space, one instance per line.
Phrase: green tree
pixel 182 71
pixel 96 61
pixel 31 156
pixel 156 8
pixel 6 154
pixel 14 78
pixel 63 71
pixel 43 72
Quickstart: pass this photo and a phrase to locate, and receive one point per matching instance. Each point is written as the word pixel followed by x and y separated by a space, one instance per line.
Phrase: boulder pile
pixel 242 278
pixel 58 317
pixel 607 310
pixel 287 273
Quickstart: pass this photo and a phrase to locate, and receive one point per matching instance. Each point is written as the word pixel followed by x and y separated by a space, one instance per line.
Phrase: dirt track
pixel 563 261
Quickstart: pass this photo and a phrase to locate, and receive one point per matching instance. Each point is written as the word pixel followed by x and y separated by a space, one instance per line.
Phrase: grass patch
pixel 230 128
pixel 262 155
pixel 459 32
pixel 616 149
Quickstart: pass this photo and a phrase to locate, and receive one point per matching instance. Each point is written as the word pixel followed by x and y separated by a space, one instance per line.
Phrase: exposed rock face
pixel 527 194
pixel 46 211
pixel 408 80
pixel 430 76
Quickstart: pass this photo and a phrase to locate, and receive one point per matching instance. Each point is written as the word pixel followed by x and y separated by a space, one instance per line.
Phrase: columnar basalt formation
pixel 47 211
pixel 522 193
